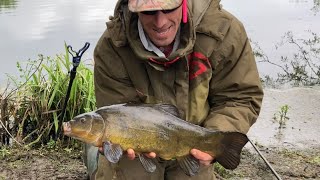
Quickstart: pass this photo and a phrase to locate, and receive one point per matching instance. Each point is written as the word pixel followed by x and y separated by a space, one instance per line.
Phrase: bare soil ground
pixel 295 155
pixel 41 164
pixel 289 164
pixel 44 164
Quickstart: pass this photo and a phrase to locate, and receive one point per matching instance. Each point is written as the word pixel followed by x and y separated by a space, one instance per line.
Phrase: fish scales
pixel 151 130
pixel 154 128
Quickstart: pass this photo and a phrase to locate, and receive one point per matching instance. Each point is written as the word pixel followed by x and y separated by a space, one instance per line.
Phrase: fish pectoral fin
pixel 190 165
pixel 112 152
pixel 147 163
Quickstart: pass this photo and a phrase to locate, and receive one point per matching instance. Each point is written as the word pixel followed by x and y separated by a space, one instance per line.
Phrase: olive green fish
pixel 154 128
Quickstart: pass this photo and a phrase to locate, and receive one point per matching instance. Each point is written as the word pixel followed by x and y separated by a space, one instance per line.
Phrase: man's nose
pixel 160 19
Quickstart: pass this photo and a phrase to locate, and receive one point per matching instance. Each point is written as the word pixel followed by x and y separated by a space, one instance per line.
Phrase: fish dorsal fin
pixel 190 165
pixel 147 163
pixel 232 144
pixel 169 108
pixel 112 152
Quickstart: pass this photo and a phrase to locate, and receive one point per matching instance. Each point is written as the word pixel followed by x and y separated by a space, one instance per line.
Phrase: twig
pixel 218 176
pixel 265 160
pixel 10 133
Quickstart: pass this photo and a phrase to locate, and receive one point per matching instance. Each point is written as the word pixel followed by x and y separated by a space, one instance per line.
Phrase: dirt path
pixel 294 153
pixel 41 164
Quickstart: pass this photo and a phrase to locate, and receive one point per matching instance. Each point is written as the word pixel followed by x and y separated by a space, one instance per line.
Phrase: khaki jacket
pixel 212 78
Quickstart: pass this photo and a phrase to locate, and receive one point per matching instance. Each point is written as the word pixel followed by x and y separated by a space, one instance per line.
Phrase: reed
pixel 8 4
pixel 39 94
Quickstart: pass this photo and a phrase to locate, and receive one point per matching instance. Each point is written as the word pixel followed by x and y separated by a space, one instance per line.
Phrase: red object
pixel 184 11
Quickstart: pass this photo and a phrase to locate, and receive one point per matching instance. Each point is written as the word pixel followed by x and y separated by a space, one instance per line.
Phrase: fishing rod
pixel 265 160
pixel 76 58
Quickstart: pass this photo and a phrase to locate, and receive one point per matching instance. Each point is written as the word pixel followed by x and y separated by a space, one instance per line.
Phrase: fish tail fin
pixel 230 147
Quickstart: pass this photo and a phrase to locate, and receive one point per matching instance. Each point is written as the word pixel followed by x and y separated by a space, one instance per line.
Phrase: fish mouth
pixel 66 128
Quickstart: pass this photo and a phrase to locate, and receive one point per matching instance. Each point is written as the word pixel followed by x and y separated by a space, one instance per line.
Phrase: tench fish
pixel 154 128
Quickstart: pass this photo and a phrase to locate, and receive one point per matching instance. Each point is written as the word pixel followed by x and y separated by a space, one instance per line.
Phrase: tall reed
pixel 40 94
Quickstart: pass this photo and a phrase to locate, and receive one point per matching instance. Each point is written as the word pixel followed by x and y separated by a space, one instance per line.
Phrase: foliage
pixel 57 145
pixel 281 116
pixel 39 95
pixel 268 81
pixel 303 67
pixel 51 144
pixel 8 4
pixel 316 6
pixel 4 151
pixel 315 160
pixel 221 171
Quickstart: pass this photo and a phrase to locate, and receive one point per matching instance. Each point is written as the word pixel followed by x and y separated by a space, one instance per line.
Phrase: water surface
pixel 41 27
pixel 29 28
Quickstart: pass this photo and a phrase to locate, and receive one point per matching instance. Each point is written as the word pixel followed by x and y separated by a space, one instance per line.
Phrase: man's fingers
pixel 101 150
pixel 130 153
pixel 201 155
pixel 151 155
pixel 206 163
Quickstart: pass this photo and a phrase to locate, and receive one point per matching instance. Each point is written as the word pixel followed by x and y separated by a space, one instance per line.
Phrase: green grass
pixel 221 171
pixel 4 152
pixel 38 95
pixel 7 3
pixel 315 160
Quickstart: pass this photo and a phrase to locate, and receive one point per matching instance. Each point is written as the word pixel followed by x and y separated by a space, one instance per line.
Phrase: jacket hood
pixel 123 30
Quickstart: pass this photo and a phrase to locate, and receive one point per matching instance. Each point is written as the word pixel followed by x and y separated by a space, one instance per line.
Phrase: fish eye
pixel 82 120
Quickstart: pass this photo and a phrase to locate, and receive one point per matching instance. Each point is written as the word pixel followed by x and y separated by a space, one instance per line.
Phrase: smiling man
pixel 160 27
pixel 193 55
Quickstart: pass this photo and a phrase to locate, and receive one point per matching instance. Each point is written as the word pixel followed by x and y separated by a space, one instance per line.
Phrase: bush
pixel 302 67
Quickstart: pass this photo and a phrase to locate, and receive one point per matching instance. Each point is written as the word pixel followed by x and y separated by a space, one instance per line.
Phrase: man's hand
pixel 131 154
pixel 204 158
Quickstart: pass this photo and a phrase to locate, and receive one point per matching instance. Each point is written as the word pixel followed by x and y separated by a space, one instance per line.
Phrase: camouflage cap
pixel 152 5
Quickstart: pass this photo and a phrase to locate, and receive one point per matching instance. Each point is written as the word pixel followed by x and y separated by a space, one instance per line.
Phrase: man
pixel 203 65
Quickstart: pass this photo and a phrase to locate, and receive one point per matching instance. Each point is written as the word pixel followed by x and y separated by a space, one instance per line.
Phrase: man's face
pixel 161 28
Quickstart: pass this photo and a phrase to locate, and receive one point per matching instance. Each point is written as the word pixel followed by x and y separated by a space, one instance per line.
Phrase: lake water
pixel 29 28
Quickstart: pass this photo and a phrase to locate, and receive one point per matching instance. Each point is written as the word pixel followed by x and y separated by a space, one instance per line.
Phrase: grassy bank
pixel 31 104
